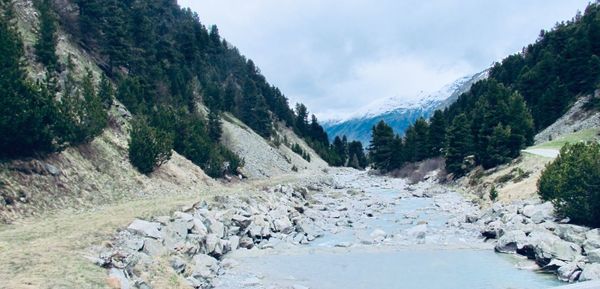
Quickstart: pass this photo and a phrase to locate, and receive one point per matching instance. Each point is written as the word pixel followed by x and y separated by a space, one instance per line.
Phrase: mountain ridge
pixel 399 113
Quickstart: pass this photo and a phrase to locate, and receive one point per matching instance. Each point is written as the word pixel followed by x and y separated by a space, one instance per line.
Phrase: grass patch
pixel 591 134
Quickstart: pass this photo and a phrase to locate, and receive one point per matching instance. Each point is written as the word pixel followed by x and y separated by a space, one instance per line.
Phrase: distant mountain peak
pixel 399 111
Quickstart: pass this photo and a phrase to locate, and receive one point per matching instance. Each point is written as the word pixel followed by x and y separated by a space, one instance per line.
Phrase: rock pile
pixel 529 228
pixel 195 240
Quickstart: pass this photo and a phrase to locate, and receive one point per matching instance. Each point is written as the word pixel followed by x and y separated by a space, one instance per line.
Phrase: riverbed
pixel 389 235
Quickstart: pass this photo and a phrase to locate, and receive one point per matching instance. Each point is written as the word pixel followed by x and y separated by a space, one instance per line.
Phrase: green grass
pixel 591 134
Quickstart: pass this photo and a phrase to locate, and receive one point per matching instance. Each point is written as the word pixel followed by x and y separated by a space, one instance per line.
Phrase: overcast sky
pixel 337 56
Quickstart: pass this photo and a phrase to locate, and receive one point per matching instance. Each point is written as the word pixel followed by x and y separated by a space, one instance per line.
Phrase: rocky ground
pixel 207 244
pixel 529 228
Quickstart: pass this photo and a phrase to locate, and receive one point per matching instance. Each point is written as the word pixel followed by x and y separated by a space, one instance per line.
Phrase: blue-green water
pixel 404 269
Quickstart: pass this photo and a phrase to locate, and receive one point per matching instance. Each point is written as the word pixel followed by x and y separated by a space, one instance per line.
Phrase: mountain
pixel 398 113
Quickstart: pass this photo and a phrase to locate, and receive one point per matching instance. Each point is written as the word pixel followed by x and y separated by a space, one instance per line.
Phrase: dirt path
pixel 548 153
pixel 50 251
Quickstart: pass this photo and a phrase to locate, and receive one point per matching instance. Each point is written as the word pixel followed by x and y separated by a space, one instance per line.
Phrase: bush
pixel 493 193
pixel 149 147
pixel 572 183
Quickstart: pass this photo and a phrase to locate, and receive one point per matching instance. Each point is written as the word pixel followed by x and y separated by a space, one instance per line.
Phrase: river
pixel 393 235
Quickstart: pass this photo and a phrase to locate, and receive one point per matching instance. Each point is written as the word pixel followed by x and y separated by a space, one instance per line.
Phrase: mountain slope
pixel 398 113
pixel 99 172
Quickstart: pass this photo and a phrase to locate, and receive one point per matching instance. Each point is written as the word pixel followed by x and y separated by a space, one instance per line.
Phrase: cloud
pixel 338 56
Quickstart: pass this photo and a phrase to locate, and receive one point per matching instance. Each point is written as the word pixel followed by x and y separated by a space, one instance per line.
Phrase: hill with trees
pixel 499 116
pixel 175 75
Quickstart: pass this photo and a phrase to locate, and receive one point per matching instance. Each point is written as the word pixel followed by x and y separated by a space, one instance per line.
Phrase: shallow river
pixel 446 257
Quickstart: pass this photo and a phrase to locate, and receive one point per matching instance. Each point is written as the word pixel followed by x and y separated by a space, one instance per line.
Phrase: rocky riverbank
pixel 529 228
pixel 206 244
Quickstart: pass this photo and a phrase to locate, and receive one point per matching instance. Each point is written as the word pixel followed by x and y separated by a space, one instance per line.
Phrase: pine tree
pixel 149 148
pixel 215 131
pixel 458 145
pixel 31 130
pixel 498 150
pixel 340 151
pixel 106 92
pixel 382 146
pixel 437 133
pixel 45 47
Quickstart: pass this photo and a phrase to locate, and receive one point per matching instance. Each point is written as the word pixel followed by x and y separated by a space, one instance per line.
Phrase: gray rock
pixel 246 242
pixel 134 244
pixel 571 233
pixel 283 225
pixel 145 228
pixel 234 242
pixel 557 249
pixel 590 272
pixel 539 213
pixel 154 247
pixel 195 283
pixel 594 256
pixel 178 264
pixel 568 272
pixel 198 227
pixel 241 221
pixel 493 230
pixel 175 233
pixel 52 169
pixel 119 275
pixel 205 266
pixel 511 241
pixel 592 240
pixel 216 227
pixel 213 246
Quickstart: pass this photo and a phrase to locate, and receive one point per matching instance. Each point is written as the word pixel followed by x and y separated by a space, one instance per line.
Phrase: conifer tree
pixel 382 146
pixel 437 133
pixel 458 145
pixel 45 47
pixel 31 130
pixel 214 126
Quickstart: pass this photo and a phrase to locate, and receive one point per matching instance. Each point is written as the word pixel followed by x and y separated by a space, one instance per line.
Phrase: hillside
pixel 397 113
pixel 98 171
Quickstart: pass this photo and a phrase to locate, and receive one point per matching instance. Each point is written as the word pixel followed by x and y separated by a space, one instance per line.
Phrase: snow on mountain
pixel 398 112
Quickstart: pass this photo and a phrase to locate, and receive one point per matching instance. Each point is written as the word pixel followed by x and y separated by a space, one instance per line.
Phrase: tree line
pixel 157 59
pixel 499 116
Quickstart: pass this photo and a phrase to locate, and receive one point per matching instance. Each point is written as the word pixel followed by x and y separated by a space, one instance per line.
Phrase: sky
pixel 338 56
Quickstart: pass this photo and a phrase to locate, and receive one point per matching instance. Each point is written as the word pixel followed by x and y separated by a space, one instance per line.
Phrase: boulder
pixel 594 256
pixel 216 227
pixel 283 225
pixel 571 233
pixel 241 221
pixel 178 264
pixel 511 241
pixel 145 228
pixel 539 213
pixel 198 227
pixel 246 242
pixel 234 242
pixel 154 247
pixel 205 266
pixel 592 240
pixel 568 272
pixel 493 230
pixel 590 272
pixel 213 245
pixel 547 250
pixel 117 276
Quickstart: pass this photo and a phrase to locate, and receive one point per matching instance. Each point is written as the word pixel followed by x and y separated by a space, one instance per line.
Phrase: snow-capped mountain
pixel 399 113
